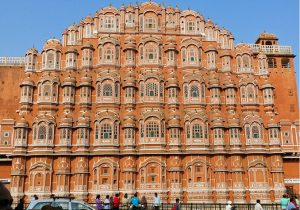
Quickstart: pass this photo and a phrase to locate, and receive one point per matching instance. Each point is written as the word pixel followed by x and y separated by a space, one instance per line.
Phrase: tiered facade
pixel 150 98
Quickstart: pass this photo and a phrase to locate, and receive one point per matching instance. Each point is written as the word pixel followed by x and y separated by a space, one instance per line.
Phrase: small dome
pixel 213 80
pixel 210 48
pixel 27 82
pixel 71 50
pixel 217 120
pixel 66 122
pixel 83 121
pixel 267 35
pixel 233 121
pixel 223 31
pixel 88 45
pixel 272 123
pixel 86 81
pixel 89 19
pixel 52 44
pixel 225 53
pixel 69 81
pixel 174 122
pixel 22 123
pixel 32 51
pixel 72 28
pixel 129 121
pixel 172 82
pixel 129 81
pixel 229 82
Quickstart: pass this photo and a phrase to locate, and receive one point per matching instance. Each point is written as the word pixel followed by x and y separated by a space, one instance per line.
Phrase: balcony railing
pixel 12 61
pixel 271 49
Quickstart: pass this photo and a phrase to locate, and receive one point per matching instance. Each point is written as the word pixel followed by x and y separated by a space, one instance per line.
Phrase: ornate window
pixel 274 136
pixel 190 26
pixel 26 94
pixel 194 92
pixel 107 90
pixel 150 23
pixel 218 136
pixel 68 94
pixel 253 133
pixel 83 136
pixel 87 57
pixel 43 133
pixel 152 129
pixel 51 59
pixel 234 136
pixel 230 96
pixel 109 22
pixel 196 132
pixel 88 31
pixel 20 136
pixel 129 19
pixel 226 63
pixel 151 89
pixel 268 96
pixel 71 58
pixel 151 53
pixel 71 38
pixel 248 94
pixel 108 55
pixel 244 63
pixel 85 95
pixel 215 96
pixel 171 57
pixel 47 91
pixel 130 57
pixel 211 59
pixel 65 135
pixel 30 62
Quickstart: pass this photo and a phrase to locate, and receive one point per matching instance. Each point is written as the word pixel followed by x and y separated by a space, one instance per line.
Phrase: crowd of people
pixel 289 202
pixel 133 203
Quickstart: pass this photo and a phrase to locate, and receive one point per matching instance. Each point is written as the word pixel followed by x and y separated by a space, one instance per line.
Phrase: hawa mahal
pixel 148 98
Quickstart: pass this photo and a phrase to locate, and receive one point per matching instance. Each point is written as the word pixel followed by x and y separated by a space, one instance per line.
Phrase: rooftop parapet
pixel 271 49
pixel 12 61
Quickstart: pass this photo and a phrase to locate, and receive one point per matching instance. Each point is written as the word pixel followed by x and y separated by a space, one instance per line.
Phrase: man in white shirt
pixel 229 206
pixel 156 202
pixel 258 206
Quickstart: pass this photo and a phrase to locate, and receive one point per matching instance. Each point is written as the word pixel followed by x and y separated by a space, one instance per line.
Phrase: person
pixel 229 206
pixel 258 205
pixel 291 205
pixel 176 205
pixel 5 198
pixel 297 201
pixel 98 203
pixel 156 202
pixel 20 205
pixel 34 197
pixel 284 202
pixel 116 202
pixel 107 202
pixel 125 201
pixel 144 203
pixel 135 201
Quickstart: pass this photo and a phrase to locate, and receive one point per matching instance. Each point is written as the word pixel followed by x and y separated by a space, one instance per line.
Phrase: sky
pixel 27 23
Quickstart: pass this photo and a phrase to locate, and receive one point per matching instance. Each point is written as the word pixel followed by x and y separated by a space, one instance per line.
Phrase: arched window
pixel 107 90
pixel 150 23
pixel 151 53
pixel 192 55
pixel 151 89
pixel 197 131
pixel 152 129
pixel 194 91
pixel 42 132
pixel 190 26
pixel 246 62
pixel 106 131
pixel 255 132
pixel 108 55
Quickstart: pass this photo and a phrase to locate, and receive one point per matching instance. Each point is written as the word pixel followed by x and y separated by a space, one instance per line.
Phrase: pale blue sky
pixel 25 23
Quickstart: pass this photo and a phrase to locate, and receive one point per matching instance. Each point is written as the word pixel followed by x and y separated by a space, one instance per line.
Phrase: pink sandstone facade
pixel 150 98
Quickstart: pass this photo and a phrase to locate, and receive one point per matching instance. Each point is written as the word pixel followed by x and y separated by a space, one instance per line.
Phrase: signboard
pixel 292 181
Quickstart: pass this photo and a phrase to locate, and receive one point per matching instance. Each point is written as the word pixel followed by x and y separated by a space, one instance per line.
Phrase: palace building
pixel 148 98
